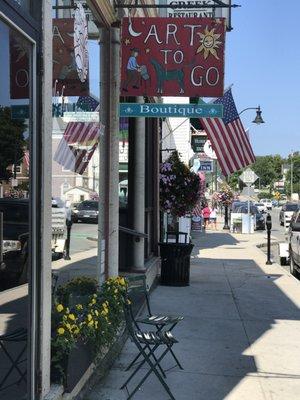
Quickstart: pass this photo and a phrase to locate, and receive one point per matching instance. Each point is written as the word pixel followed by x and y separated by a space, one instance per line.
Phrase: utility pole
pixel 292 172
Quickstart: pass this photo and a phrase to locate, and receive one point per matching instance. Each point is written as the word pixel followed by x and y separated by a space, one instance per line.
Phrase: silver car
pixel 294 244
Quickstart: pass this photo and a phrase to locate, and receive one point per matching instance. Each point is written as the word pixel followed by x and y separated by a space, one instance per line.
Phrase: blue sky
pixel 263 63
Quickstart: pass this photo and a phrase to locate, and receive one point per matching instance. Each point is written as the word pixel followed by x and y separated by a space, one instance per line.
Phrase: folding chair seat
pixel 18 335
pixel 147 343
pixel 150 338
pixel 138 283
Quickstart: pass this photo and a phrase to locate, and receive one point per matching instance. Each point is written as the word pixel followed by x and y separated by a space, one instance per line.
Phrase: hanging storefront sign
pixel 196 9
pixel 156 110
pixel 67 64
pixel 198 142
pixel 81 43
pixel 206 166
pixel 201 9
pixel 161 57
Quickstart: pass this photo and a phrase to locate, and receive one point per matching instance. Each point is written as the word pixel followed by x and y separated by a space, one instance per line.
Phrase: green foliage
pixel 179 187
pixel 93 322
pixel 268 168
pixel 12 141
pixel 263 195
pixel 80 286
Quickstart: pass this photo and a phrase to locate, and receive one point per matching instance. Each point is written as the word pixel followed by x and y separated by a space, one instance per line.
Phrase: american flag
pixel 78 145
pixel 26 159
pixel 88 103
pixel 228 137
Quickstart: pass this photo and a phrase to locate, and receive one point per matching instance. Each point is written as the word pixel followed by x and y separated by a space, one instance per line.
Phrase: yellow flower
pixel 79 307
pixel 68 326
pixel 72 317
pixel 93 301
pixel 60 331
pixel 89 317
pixel 91 323
pixel 122 281
pixel 59 307
pixel 96 313
pixel 96 324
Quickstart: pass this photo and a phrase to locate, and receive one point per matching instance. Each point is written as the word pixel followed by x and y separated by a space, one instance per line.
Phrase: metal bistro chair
pixel 137 290
pixel 19 335
pixel 150 341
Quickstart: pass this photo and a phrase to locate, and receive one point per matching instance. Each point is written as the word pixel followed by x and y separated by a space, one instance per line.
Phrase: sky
pixel 263 64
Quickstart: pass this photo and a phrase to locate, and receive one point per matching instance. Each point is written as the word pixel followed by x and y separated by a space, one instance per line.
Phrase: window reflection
pixel 15 131
pixel 75 166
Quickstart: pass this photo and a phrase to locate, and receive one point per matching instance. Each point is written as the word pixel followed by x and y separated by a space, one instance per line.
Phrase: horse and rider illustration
pixel 137 75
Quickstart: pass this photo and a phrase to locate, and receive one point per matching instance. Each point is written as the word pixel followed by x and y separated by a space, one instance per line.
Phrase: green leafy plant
pixel 179 187
pixel 93 323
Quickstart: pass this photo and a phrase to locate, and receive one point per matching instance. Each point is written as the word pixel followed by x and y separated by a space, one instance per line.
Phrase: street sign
pixel 155 110
pixel 248 176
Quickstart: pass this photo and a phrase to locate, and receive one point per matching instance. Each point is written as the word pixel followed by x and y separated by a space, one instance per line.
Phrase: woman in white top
pixel 213 217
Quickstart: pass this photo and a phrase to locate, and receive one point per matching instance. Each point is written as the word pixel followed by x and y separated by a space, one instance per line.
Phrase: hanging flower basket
pixel 225 196
pixel 179 187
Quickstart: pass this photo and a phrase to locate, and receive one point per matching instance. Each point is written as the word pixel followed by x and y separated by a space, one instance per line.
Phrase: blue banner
pixel 158 110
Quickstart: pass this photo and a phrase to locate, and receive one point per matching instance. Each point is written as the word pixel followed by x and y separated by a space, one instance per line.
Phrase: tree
pixel 12 142
pixel 268 168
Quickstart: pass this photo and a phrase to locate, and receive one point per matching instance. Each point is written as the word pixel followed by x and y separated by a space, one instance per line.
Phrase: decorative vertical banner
pixel 167 57
pixel 65 67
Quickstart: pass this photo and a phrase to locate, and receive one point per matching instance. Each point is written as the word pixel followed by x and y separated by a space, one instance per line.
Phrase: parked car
pixel 13 266
pixel 267 203
pixel 88 211
pixel 294 244
pixel 260 223
pixel 236 204
pixel 287 212
pixel 261 207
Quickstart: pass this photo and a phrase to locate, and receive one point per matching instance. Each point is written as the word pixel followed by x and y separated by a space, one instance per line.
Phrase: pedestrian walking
pixel 206 215
pixel 213 217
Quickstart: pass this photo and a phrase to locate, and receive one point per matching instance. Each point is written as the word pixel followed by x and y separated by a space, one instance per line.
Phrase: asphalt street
pixel 79 237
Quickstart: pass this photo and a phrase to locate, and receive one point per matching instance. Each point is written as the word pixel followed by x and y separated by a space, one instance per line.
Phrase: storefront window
pixel 75 138
pixel 15 227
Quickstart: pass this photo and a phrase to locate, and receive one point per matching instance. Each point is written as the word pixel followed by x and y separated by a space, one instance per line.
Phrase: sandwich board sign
pixel 248 176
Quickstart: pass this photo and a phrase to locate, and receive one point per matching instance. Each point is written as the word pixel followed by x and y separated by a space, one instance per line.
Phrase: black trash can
pixel 175 262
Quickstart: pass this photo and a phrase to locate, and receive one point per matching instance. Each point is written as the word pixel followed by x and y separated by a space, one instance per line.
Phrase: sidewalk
pixel 240 336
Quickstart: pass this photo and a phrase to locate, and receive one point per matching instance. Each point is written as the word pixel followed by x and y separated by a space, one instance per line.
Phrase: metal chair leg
pixel 154 370
pixel 143 361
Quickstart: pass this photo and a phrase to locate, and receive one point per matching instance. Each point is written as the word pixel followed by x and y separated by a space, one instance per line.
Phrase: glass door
pixel 17 255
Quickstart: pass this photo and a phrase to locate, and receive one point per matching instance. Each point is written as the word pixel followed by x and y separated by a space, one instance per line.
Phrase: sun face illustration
pixel 209 43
